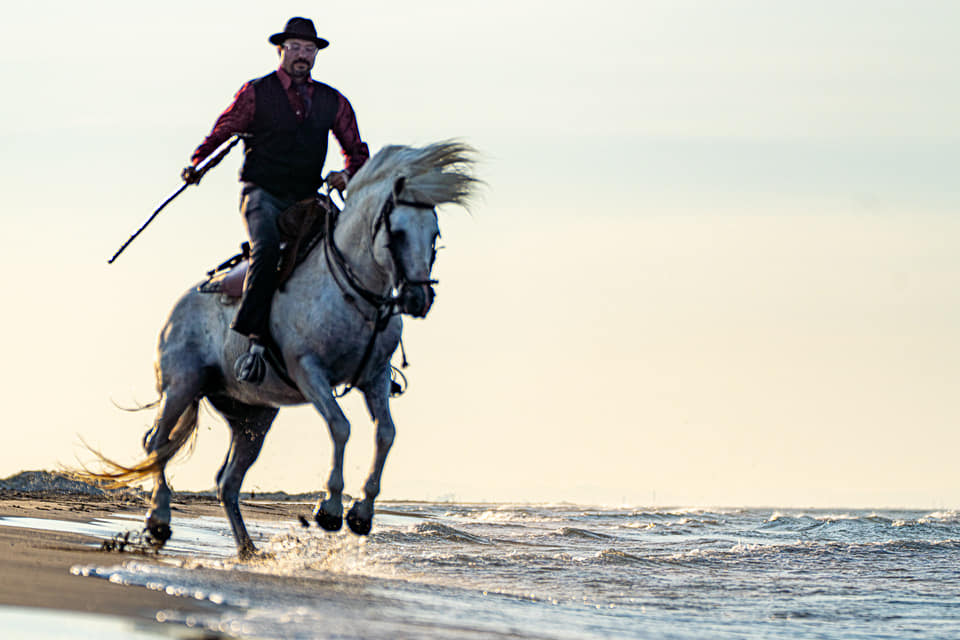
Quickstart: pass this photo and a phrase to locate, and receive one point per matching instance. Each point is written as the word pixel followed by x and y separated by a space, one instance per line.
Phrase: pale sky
pixel 716 261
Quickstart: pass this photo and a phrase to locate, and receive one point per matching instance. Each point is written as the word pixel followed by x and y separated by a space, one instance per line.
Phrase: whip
pixel 201 169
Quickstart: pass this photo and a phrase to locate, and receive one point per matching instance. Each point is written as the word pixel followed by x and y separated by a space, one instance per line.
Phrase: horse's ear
pixel 398 185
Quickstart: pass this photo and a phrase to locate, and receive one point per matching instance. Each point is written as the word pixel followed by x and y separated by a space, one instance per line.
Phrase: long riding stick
pixel 202 168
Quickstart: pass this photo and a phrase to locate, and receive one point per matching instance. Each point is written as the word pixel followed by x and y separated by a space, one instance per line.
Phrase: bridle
pixel 384 220
pixel 347 279
pixel 384 306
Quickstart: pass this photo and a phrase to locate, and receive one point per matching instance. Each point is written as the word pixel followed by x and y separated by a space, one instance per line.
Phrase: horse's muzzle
pixel 416 300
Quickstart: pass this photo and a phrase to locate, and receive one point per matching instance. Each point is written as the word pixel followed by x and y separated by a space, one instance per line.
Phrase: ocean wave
pixel 680 526
pixel 861 527
pixel 779 520
pixel 503 514
pixel 617 557
pixel 446 532
pixel 940 517
pixel 804 552
pixel 575 532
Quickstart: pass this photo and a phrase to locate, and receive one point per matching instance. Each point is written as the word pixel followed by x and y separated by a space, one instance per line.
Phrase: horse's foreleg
pixel 315 385
pixel 377 396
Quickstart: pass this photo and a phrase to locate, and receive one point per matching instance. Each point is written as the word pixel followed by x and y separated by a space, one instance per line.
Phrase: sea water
pixel 434 570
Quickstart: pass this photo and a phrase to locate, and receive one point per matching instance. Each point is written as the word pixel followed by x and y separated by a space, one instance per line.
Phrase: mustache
pixel 301 60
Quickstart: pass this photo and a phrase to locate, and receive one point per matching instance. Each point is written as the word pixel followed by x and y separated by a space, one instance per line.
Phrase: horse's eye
pixel 397 237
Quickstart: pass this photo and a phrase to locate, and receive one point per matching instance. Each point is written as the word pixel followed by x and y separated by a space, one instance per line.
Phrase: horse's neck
pixel 352 236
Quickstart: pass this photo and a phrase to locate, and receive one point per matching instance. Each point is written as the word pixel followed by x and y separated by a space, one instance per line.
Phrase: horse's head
pixel 406 233
pixel 395 196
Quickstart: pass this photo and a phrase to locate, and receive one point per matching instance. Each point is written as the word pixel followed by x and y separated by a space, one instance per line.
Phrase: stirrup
pixel 251 367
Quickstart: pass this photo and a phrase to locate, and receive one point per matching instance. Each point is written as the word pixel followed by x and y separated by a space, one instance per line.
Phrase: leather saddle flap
pixel 301 228
pixel 229 283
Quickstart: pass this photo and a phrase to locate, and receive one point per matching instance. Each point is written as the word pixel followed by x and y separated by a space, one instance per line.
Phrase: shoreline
pixel 36 564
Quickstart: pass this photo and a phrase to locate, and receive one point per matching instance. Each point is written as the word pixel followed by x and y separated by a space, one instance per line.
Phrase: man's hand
pixel 338 180
pixel 190 174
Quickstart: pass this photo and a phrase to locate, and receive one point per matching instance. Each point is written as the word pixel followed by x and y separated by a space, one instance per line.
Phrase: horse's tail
pixel 115 475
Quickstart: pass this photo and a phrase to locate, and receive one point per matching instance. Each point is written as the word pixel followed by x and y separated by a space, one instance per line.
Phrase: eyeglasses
pixel 296 47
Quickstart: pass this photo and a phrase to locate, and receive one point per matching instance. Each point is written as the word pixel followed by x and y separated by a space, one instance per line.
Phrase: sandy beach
pixel 36 564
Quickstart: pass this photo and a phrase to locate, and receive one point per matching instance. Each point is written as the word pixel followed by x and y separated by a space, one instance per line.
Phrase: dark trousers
pixel 260 210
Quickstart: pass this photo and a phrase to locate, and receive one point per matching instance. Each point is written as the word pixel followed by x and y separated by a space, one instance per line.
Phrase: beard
pixel 299 68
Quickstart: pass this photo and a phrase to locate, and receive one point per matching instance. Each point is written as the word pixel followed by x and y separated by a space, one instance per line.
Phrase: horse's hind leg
pixel 158 516
pixel 179 405
pixel 249 425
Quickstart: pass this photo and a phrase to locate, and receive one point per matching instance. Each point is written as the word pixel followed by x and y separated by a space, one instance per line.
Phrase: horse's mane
pixel 436 174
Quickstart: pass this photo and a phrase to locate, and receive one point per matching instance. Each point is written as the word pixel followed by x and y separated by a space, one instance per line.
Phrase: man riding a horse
pixel 286 118
pixel 336 321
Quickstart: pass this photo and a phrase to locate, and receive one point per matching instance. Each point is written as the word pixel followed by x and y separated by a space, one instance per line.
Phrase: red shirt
pixel 239 115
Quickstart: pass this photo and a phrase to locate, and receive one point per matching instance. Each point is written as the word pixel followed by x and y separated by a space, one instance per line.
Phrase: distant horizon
pixel 452 499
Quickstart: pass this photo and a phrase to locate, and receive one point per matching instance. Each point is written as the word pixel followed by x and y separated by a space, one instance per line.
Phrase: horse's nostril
pixel 417 300
pixel 412 301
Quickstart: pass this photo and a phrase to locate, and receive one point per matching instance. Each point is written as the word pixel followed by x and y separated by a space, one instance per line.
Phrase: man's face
pixel 297 57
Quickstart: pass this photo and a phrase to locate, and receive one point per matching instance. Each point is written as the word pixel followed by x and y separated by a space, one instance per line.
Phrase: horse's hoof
pixel 360 526
pixel 157 535
pixel 327 521
pixel 249 553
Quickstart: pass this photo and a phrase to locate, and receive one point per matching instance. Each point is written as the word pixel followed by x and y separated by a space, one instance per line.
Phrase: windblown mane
pixel 436 174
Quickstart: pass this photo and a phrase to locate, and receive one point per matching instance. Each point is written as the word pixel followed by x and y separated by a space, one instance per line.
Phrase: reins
pixel 343 274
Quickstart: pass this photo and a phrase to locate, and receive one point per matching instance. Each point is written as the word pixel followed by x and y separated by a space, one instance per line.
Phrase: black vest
pixel 284 156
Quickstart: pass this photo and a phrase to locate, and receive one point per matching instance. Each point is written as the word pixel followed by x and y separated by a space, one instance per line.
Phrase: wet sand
pixel 35 565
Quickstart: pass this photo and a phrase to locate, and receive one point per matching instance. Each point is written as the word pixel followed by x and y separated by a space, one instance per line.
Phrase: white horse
pixel 337 321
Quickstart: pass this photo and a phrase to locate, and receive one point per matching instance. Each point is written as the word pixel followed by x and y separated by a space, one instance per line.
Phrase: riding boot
pixel 251 366
pixel 260 210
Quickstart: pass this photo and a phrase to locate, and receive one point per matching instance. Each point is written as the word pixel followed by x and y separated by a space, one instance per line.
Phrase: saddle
pixel 301 229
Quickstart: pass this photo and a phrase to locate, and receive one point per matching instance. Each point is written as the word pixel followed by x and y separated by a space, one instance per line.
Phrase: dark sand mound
pixel 54 483
pixel 49 482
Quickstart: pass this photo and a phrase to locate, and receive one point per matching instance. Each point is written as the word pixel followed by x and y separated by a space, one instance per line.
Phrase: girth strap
pixel 271 353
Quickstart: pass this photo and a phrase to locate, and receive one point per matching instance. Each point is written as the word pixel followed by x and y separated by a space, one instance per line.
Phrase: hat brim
pixel 278 39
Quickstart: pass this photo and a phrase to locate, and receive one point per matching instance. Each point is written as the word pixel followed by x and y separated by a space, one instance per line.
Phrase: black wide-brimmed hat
pixel 301 28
